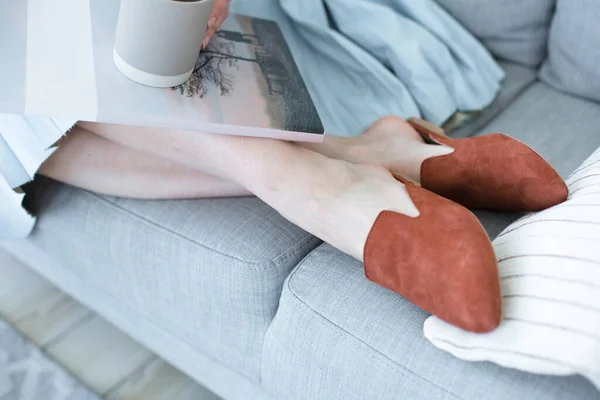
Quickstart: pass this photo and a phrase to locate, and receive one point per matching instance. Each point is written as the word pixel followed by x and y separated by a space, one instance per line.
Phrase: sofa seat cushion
pixel 339 336
pixel 207 271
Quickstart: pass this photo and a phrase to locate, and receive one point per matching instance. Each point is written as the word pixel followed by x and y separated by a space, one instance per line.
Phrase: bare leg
pixel 335 200
pixel 390 142
pixel 92 162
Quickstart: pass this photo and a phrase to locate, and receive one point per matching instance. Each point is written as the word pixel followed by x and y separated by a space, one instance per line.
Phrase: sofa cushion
pixel 574 49
pixel 512 30
pixel 210 272
pixel 337 336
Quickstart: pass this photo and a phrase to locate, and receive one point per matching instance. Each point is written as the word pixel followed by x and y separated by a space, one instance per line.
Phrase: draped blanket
pixel 364 59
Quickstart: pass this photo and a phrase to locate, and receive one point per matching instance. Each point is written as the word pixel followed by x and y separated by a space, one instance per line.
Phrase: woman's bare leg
pixel 335 200
pixel 390 142
pixel 91 162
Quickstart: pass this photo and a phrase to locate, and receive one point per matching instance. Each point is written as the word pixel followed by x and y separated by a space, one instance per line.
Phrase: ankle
pixel 323 198
pixel 327 187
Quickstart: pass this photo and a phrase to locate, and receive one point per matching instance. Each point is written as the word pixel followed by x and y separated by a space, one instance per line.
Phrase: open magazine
pixel 57 61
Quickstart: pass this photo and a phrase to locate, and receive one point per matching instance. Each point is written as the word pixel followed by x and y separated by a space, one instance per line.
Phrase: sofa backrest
pixel 513 30
pixel 560 36
pixel 573 63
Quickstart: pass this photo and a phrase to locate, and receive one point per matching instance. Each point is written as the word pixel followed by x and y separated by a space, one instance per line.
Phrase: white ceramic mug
pixel 158 41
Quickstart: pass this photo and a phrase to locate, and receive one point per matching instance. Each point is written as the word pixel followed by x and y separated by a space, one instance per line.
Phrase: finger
pixel 221 7
pixel 220 19
pixel 213 26
pixel 209 34
pixel 212 20
pixel 219 13
pixel 217 10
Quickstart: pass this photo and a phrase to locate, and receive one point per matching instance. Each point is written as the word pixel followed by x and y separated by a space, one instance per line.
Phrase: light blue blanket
pixel 364 59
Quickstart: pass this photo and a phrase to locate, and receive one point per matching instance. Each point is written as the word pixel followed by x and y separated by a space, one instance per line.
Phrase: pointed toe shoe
pixel 494 172
pixel 442 261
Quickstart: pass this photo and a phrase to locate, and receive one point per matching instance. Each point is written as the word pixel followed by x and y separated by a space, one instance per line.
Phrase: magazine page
pixel 29 139
pixel 15 221
pixel 11 168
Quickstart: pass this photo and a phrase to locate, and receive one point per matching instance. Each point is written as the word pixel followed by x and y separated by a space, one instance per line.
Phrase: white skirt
pixel 25 143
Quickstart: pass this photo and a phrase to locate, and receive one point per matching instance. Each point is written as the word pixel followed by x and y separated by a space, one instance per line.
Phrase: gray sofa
pixel 253 307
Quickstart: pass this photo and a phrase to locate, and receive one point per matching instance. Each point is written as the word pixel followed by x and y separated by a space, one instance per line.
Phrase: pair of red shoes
pixel 443 260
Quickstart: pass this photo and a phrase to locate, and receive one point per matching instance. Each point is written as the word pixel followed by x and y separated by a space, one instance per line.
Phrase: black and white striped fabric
pixel 549 265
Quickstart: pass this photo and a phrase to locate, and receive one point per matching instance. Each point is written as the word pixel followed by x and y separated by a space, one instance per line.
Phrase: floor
pixel 96 352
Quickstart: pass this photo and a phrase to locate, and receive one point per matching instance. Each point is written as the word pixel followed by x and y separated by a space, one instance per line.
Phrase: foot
pixel 428 249
pixel 343 203
pixel 394 144
pixel 442 261
pixel 493 171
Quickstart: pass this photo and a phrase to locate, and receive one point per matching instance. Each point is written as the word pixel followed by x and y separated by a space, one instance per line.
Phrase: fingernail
pixel 212 21
pixel 205 41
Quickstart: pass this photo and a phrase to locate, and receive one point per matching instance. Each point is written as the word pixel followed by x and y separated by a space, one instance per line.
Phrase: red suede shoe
pixel 494 172
pixel 442 261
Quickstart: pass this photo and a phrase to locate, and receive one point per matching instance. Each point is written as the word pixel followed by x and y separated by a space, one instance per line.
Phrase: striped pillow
pixel 549 265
